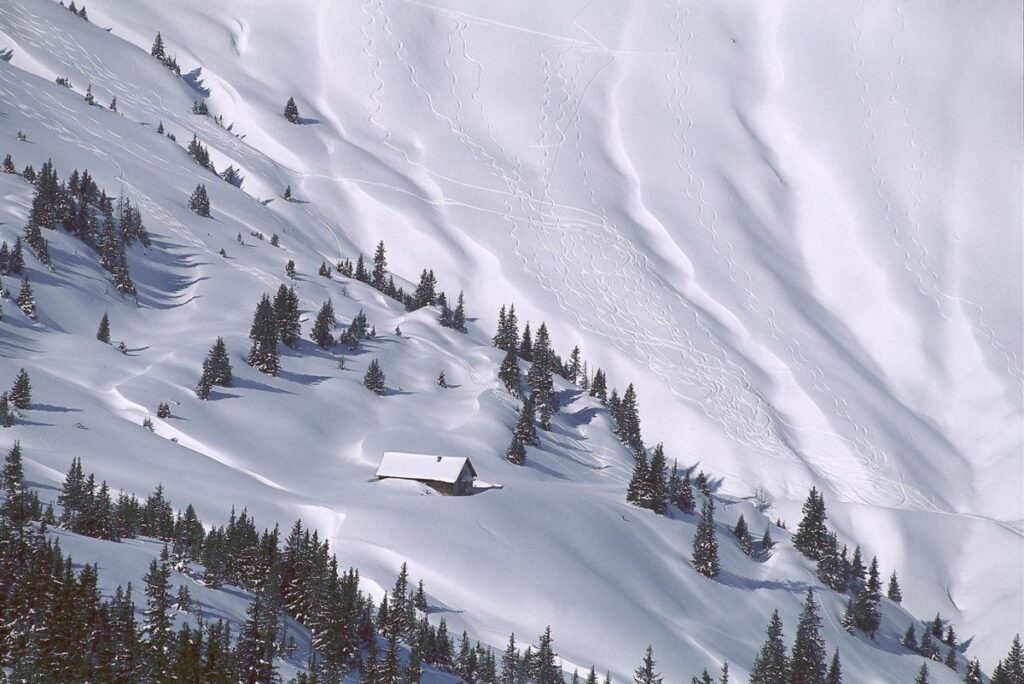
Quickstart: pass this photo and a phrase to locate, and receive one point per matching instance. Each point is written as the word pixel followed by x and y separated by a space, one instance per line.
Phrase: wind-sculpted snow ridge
pixel 796 230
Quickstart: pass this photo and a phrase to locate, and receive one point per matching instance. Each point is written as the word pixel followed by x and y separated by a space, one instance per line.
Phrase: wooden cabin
pixel 449 475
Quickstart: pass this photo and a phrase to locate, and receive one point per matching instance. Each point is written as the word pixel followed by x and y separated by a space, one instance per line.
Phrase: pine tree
pixel 807 662
pixel 26 298
pixel 685 502
pixel 21 390
pixel 743 535
pixel 156 631
pixel 526 345
pixel 657 485
pixel 360 273
pixel 771 664
pixel 922 675
pixel 379 275
pixel 705 544
pixel 909 639
pixel 264 355
pixel 291 111
pixel 638 490
pixel 103 332
pixel 893 591
pixel 973 675
pixel 645 673
pixel 286 315
pixel 1012 666
pixel 526 429
pixel 865 607
pixel 835 670
pixel 950 660
pixel 546 669
pixel 6 417
pixel 459 314
pixel 849 621
pixel 510 663
pixel 629 420
pixel 323 326
pixel 158 48
pixel 830 569
pixel 220 364
pixel 927 647
pixel 599 386
pixel 811 538
pixel 766 540
pixel 509 373
pixel 516 452
pixel 199 201
pixel 374 378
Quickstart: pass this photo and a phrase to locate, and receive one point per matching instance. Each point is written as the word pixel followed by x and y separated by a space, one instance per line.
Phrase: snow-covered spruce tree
pixel 811 538
pixel 324 271
pixel 909 639
pixel 509 373
pixel 807 662
pixel 8 165
pixel 742 534
pixel 26 298
pixel 656 484
pixel 324 324
pixel 865 607
pixel 257 639
pixel 572 368
pixel 771 666
pixel 835 670
pixel 220 364
pixel 21 390
pixel 539 378
pixel 286 314
pixel 379 276
pixel 629 420
pixel 264 355
pixel 849 621
pixel 526 343
pixel 973 675
pixel 922 676
pixel 374 379
pixel 526 429
pixel 291 111
pixel 157 633
pixel 545 666
pixel 645 672
pixel 893 592
pixel 830 569
pixel 158 48
pixel 599 386
pixel 705 544
pixel 426 291
pixel 459 314
pixel 685 501
pixel 507 336
pixel 638 491
pixel 103 332
pixel 199 202
pixel 516 452
pixel 360 272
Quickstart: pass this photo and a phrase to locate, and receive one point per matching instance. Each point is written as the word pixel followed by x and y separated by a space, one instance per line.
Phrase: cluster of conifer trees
pixel 425 294
pixel 82 208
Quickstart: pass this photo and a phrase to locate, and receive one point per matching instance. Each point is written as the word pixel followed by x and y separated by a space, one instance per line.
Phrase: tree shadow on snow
pixel 302 378
pixel 194 79
pixel 245 383
pixel 54 409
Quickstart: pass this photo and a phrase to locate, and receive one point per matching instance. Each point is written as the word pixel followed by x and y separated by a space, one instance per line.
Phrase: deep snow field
pixel 796 227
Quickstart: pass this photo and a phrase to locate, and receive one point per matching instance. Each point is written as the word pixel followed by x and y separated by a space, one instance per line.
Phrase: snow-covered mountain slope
pixel 795 228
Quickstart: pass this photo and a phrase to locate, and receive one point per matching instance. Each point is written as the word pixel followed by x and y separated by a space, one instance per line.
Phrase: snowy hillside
pixel 794 227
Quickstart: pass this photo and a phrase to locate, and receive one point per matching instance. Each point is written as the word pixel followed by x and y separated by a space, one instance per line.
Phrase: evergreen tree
pixel 103 332
pixel 459 314
pixel 950 660
pixel 830 568
pixel 199 201
pixel 509 373
pixel 1012 666
pixel 286 315
pixel 771 665
pixel 705 544
pixel 546 669
pixel 766 540
pixel 629 420
pixel 21 390
pixel 360 272
pixel 510 663
pixel 599 386
pixel 156 630
pixel 865 607
pixel 922 675
pixel 516 452
pixel 927 647
pixel 526 345
pixel 525 428
pixel 158 47
pixel 379 275
pixel 743 535
pixel 323 326
pixel 6 417
pixel 811 538
pixel 657 485
pixel 685 501
pixel 645 673
pixel 910 638
pixel 26 298
pixel 264 355
pixel 973 675
pixel 638 491
pixel 374 378
pixel 893 591
pixel 807 662
pixel 291 111
pixel 849 621
pixel 835 670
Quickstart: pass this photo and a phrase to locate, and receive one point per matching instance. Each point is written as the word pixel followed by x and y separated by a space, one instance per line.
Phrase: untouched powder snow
pixel 795 227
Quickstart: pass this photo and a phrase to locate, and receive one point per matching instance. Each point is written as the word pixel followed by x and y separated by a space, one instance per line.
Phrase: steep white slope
pixel 795 229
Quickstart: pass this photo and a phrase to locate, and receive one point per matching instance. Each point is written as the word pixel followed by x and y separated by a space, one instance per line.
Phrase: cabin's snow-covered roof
pixel 423 466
